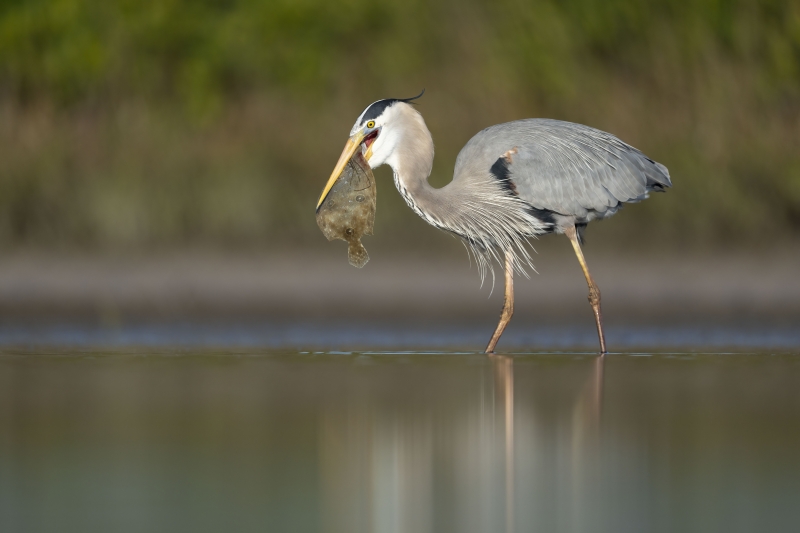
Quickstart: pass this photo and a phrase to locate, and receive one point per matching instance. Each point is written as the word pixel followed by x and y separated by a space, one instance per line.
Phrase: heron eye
pixel 371 124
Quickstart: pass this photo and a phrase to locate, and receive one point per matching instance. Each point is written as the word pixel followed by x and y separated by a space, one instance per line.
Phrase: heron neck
pixel 412 162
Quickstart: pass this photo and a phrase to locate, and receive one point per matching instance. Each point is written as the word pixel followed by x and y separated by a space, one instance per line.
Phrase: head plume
pixel 376 109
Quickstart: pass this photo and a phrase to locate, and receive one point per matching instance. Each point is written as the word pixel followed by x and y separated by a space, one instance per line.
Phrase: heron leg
pixel 594 290
pixel 508 304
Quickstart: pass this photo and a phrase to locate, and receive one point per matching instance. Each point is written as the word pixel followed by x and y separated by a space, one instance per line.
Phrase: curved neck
pixel 454 207
pixel 412 157
pixel 412 161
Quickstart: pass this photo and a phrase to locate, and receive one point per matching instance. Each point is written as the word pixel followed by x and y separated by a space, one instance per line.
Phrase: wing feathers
pixel 564 167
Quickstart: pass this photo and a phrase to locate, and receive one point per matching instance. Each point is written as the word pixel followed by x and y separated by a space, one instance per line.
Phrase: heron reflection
pixel 384 464
pixel 503 369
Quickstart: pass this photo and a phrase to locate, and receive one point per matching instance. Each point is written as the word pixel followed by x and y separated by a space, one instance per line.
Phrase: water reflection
pixel 399 442
pixel 389 469
pixel 503 368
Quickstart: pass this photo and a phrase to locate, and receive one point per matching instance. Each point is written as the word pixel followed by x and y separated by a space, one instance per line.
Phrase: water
pixel 405 334
pixel 280 441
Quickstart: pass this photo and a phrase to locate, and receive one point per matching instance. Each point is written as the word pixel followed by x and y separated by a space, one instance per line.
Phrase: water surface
pixel 253 440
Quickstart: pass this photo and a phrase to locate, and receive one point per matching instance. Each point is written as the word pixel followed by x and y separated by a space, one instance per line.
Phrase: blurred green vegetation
pixel 163 122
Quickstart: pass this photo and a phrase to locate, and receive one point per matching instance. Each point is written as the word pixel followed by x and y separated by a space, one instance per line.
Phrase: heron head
pixel 375 132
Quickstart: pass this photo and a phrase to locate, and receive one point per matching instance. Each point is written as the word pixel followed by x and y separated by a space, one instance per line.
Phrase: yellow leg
pixel 594 290
pixel 508 304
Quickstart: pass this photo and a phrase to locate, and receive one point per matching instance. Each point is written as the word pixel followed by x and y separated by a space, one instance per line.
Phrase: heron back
pixel 562 168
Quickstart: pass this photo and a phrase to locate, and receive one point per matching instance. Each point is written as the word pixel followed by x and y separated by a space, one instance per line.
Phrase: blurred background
pixel 166 295
pixel 192 138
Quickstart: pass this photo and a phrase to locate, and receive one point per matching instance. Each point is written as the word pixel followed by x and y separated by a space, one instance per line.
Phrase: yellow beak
pixel 353 144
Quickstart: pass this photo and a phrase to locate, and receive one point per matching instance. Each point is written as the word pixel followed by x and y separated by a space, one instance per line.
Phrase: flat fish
pixel 348 212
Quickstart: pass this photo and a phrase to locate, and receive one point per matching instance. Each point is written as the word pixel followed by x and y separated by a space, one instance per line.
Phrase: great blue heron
pixel 511 182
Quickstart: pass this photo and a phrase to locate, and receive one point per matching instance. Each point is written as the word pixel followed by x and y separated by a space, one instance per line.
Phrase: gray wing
pixel 563 167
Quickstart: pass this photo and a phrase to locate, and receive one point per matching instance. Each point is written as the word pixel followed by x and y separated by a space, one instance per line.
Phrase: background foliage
pixel 163 122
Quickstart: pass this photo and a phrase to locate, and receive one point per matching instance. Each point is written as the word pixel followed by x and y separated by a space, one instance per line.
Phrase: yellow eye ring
pixel 371 124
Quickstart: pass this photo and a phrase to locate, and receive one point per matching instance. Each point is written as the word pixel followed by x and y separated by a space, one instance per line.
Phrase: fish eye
pixel 371 124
